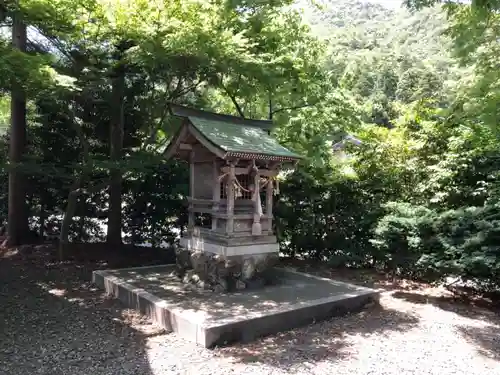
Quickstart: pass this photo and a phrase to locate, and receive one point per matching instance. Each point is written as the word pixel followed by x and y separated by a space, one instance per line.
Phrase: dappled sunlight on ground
pixel 54 321
pixel 397 337
pixel 291 290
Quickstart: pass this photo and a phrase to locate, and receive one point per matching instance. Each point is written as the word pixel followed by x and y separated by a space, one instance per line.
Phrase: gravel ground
pixel 54 322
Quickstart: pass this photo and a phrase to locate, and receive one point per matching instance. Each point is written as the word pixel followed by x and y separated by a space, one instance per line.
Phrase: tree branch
pixel 167 98
pixel 90 190
pixel 236 105
pixel 84 143
pixel 270 107
pixel 305 105
pixel 180 80
pixel 233 99
pixel 185 91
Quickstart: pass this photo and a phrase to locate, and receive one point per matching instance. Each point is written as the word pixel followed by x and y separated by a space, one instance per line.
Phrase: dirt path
pixel 54 322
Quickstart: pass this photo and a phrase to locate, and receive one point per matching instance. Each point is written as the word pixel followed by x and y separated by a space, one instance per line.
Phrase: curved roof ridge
pixel 183 111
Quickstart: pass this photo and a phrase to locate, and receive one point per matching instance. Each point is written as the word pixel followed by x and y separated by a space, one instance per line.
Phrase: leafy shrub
pixel 418 242
pixel 466 244
pixel 153 204
pixel 398 239
pixel 326 218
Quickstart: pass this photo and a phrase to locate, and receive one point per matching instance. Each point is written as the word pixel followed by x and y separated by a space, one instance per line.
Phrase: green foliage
pixel 465 243
pixel 206 54
pixel 398 238
pixel 324 217
pixel 153 205
pixel 386 58
pixel 4 114
pixel 418 242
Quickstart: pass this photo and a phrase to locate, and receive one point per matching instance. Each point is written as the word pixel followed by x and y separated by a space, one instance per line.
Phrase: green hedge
pixel 422 243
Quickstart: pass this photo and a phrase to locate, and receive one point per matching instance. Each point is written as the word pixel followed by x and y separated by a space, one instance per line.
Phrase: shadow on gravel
pixel 364 277
pixel 54 322
pixel 485 339
pixel 458 304
pixel 320 341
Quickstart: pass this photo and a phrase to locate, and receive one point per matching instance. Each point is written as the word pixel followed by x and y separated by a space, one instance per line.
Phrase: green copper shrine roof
pixel 234 136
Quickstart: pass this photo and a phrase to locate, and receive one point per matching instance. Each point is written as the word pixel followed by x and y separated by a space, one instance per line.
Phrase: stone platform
pixel 215 319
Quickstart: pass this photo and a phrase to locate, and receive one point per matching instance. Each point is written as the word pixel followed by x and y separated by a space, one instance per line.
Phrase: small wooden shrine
pixel 233 164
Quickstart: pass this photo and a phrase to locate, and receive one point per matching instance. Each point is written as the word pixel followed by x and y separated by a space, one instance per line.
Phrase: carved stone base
pixel 230 246
pixel 225 274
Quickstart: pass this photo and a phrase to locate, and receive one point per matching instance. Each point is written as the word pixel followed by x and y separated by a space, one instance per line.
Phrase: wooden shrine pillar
pixel 269 201
pixel 191 192
pixel 256 226
pixel 216 193
pixel 230 198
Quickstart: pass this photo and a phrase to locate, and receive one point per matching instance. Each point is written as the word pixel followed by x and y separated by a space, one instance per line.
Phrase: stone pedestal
pixel 225 267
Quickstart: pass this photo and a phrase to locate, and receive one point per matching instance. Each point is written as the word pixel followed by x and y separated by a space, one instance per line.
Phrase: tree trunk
pixel 114 235
pixel 81 225
pixel 17 218
pixel 75 192
pixel 43 217
pixel 75 189
pixel 68 218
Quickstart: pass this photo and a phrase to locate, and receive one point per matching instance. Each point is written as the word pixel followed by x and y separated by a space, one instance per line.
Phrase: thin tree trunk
pixel 68 217
pixel 114 235
pixel 75 189
pixel 43 217
pixel 270 116
pixel 75 192
pixel 81 224
pixel 17 217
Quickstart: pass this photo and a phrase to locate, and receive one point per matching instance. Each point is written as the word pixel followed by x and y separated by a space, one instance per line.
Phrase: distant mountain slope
pixel 384 57
pixel 376 26
pixel 344 13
